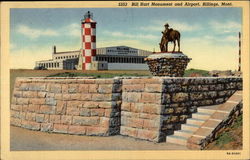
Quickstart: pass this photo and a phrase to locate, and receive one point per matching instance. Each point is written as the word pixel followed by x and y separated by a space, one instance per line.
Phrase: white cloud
pixel 225 27
pixel 181 26
pixel 130 36
pixel 71 30
pixel 34 33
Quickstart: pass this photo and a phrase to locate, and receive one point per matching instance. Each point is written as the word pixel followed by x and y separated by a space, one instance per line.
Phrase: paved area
pixel 27 140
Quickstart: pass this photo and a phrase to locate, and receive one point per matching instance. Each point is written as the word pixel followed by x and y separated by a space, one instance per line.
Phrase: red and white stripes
pixel 88 43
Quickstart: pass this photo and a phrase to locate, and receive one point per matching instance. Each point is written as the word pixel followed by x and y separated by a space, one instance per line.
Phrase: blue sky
pixel 208 35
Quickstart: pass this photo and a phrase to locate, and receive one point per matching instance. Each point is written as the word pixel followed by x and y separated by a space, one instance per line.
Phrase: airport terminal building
pixel 108 58
pixel 91 58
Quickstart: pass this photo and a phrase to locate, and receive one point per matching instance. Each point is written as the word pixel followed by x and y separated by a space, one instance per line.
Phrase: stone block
pixel 30 125
pixel 131 97
pixel 66 96
pixel 76 96
pixel 58 96
pixel 60 128
pixel 112 113
pixel 166 98
pixel 130 114
pixel 50 95
pixel 105 105
pixel 134 122
pixel 151 124
pixel 85 97
pixel 21 101
pixel 61 107
pixel 65 88
pixel 15 121
pixel 39 118
pixel 211 94
pixel 105 88
pixel 29 94
pixel 93 88
pixel 97 112
pixel 25 108
pixel 89 81
pixel 148 135
pixel 39 101
pixel 37 87
pixel 151 98
pixel 153 88
pixel 46 109
pixel 55 88
pixel 97 131
pixel 152 108
pixel 168 110
pixel 128 131
pixel 136 107
pixel 73 88
pixel 83 88
pixel 22 115
pixel 105 122
pixel 133 88
pixel 79 130
pixel 55 119
pixel 219 100
pixel 73 111
pixel 180 97
pixel 91 104
pixel 15 114
pixel 16 107
pixel 30 116
pixel 24 87
pixel 65 119
pixel 101 97
pixel 86 121
pixel 75 104
pixel 197 96
pixel 41 94
pixel 33 108
pixel 86 112
pixel 50 101
pixel 125 106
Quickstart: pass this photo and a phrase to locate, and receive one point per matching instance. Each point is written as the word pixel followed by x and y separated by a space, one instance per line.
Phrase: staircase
pixel 205 121
pixel 192 125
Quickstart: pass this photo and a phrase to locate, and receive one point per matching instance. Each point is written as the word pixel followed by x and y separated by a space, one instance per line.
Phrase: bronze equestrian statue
pixel 169 35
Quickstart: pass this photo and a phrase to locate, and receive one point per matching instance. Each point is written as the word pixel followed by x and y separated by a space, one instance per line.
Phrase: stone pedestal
pixel 167 64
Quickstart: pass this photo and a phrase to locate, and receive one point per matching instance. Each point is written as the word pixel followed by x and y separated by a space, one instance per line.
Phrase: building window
pixel 57 65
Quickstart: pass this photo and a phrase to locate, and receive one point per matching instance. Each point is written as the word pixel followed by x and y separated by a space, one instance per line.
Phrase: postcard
pixel 125 80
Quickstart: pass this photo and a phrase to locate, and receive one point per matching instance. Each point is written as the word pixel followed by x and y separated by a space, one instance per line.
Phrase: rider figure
pixel 167 30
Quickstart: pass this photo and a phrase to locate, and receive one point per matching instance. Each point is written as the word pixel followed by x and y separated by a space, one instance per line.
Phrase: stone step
pixel 189 127
pixel 206 110
pixel 195 121
pixel 199 115
pixel 177 140
pixel 183 133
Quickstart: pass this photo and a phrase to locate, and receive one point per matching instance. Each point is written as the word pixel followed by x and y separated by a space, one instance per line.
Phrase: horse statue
pixel 169 35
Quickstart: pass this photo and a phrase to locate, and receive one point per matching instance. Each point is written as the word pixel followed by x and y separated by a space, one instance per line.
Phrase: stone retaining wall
pixel 73 106
pixel 154 107
pixel 144 108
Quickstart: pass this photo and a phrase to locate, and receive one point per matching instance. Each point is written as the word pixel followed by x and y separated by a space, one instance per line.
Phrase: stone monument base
pixel 172 64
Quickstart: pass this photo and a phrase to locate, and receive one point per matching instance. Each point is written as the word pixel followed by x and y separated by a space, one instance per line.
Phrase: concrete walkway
pixel 27 140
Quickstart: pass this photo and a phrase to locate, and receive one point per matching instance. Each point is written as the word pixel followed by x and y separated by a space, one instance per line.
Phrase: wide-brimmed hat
pixel 166 24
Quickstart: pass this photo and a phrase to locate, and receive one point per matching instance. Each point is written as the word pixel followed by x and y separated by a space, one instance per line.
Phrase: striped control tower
pixel 88 41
